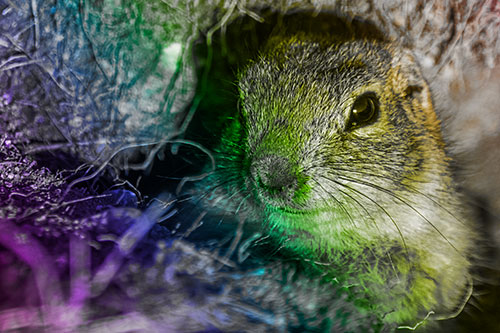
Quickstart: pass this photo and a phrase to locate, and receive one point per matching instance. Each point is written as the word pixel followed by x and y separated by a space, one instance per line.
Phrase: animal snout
pixel 273 174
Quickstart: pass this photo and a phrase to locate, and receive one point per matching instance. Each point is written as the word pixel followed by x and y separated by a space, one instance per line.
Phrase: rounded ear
pixel 408 79
pixel 409 83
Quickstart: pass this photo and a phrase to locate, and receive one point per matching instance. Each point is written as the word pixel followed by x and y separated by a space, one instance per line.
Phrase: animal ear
pixel 413 90
pixel 410 82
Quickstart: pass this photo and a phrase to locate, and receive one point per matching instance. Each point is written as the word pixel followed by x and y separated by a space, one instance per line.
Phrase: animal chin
pixel 289 210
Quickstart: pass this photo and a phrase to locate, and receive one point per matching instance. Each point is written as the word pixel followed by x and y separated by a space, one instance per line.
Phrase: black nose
pixel 274 175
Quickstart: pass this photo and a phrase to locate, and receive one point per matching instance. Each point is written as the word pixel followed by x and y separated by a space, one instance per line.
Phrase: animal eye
pixel 364 111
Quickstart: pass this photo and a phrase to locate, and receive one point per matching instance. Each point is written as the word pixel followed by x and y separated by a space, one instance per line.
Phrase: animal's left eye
pixel 364 111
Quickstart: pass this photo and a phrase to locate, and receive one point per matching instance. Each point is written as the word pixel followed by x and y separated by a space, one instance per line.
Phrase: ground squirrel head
pixel 322 119
pixel 338 150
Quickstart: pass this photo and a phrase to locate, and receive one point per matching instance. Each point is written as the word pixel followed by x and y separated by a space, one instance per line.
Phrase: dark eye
pixel 364 111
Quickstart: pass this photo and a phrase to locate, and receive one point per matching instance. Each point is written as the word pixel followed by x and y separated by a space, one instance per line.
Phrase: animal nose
pixel 274 175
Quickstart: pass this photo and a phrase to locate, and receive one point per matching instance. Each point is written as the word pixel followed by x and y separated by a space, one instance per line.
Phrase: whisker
pixel 378 205
pixel 376 226
pixel 409 187
pixel 241 203
pixel 371 217
pixel 374 222
pixel 211 189
pixel 360 205
pixel 339 203
pixel 235 194
pixel 361 182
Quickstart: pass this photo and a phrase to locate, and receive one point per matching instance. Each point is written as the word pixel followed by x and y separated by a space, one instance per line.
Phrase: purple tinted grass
pixel 29 250
pixel 127 243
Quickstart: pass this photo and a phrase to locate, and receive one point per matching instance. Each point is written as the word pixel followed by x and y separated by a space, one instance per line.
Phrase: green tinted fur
pixel 376 202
